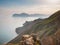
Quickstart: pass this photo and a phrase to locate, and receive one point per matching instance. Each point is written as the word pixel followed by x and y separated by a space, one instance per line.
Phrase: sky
pixel 9 7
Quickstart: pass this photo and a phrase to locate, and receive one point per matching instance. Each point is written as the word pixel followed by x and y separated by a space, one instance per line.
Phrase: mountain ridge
pixel 46 28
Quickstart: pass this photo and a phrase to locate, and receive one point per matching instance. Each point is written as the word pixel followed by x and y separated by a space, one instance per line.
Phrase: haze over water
pixel 8 24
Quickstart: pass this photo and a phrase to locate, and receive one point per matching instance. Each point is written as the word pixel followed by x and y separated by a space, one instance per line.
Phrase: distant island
pixel 29 15
pixel 21 15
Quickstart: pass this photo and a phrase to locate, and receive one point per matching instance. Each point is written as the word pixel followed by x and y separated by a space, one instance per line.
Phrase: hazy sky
pixel 29 6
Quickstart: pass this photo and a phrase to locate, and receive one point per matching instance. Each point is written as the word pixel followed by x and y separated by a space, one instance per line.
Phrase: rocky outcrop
pixel 27 25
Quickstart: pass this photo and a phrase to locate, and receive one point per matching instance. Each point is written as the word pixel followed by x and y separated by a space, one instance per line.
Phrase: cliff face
pixel 47 29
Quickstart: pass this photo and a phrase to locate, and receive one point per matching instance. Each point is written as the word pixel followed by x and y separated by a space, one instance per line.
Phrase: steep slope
pixel 47 27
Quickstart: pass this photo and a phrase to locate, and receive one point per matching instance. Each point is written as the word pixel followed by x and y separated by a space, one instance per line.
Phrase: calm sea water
pixel 8 24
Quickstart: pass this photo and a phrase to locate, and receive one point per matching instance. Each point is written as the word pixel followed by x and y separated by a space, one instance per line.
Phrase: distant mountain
pixel 47 29
pixel 21 15
pixel 29 15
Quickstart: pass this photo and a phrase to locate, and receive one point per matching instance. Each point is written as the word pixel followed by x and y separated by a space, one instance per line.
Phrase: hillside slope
pixel 45 28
